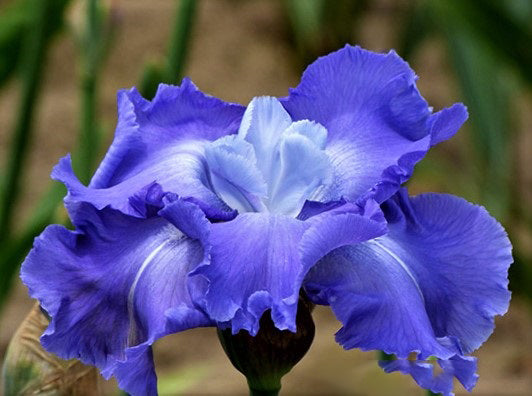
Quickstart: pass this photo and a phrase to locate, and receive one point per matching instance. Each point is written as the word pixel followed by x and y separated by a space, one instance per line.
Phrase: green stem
pixel 180 40
pixel 34 61
pixel 261 392
pixel 88 137
pixel 171 70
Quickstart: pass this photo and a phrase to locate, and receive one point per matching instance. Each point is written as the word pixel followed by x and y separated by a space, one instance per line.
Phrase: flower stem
pixel 261 392
pixel 180 40
pixel 91 60
pixel 266 357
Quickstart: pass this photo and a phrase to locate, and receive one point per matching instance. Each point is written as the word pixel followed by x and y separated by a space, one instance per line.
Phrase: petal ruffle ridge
pixel 160 141
pixel 258 261
pixel 432 285
pixel 461 367
pixel 378 124
pixel 117 284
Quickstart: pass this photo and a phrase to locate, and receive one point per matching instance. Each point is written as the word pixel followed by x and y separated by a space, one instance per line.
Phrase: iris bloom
pixel 206 213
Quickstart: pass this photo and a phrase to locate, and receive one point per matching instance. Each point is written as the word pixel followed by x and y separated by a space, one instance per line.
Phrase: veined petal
pixel 160 141
pixel 117 284
pixel 460 255
pixel 378 124
pixel 431 285
pixel 311 130
pixel 445 123
pixel 377 300
pixel 176 114
pixel 301 169
pixel 254 261
pixel 234 174
pixel 258 262
pixel 263 123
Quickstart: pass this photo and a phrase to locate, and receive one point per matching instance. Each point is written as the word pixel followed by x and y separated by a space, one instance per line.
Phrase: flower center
pixel 272 164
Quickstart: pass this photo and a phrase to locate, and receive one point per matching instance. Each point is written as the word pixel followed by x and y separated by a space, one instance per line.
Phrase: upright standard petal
pixel 432 285
pixel 160 141
pixel 272 164
pixel 379 125
pixel 117 284
pixel 259 260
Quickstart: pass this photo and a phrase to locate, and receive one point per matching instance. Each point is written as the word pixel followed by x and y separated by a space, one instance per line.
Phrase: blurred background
pixel 62 61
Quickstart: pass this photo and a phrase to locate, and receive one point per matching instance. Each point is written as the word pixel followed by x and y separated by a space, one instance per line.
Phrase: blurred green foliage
pixel 34 24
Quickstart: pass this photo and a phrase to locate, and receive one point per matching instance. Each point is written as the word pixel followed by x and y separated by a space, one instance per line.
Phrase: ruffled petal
pixel 432 285
pixel 117 284
pixel 258 262
pixel 234 174
pixel 159 141
pixel 460 255
pixel 302 168
pixel 462 367
pixel 272 164
pixel 378 124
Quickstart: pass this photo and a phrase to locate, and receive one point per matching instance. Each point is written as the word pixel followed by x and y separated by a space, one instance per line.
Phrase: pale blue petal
pixel 234 175
pixel 263 123
pixel 300 170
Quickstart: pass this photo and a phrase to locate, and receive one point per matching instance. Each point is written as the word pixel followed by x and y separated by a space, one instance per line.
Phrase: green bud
pixel 30 370
pixel 267 357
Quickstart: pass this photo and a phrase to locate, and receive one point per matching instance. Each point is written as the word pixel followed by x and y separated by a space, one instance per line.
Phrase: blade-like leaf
pixel 486 92
pixel 497 27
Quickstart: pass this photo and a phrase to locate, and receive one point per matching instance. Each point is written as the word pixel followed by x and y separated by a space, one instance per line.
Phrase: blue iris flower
pixel 206 213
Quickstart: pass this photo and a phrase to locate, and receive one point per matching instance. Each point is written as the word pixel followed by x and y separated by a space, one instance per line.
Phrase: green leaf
pixel 416 27
pixel 13 26
pixel 44 20
pixel 485 87
pixel 15 22
pixel 152 75
pixel 321 26
pixel 495 24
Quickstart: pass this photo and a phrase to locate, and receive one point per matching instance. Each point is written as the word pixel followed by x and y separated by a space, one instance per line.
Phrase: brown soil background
pixel 240 50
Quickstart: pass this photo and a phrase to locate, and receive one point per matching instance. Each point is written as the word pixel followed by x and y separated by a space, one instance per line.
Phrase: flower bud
pixel 30 370
pixel 267 357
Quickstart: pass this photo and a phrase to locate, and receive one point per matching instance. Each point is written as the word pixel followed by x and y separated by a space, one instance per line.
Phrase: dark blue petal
pixel 117 284
pixel 432 285
pixel 159 141
pixel 378 124
pixel 258 261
